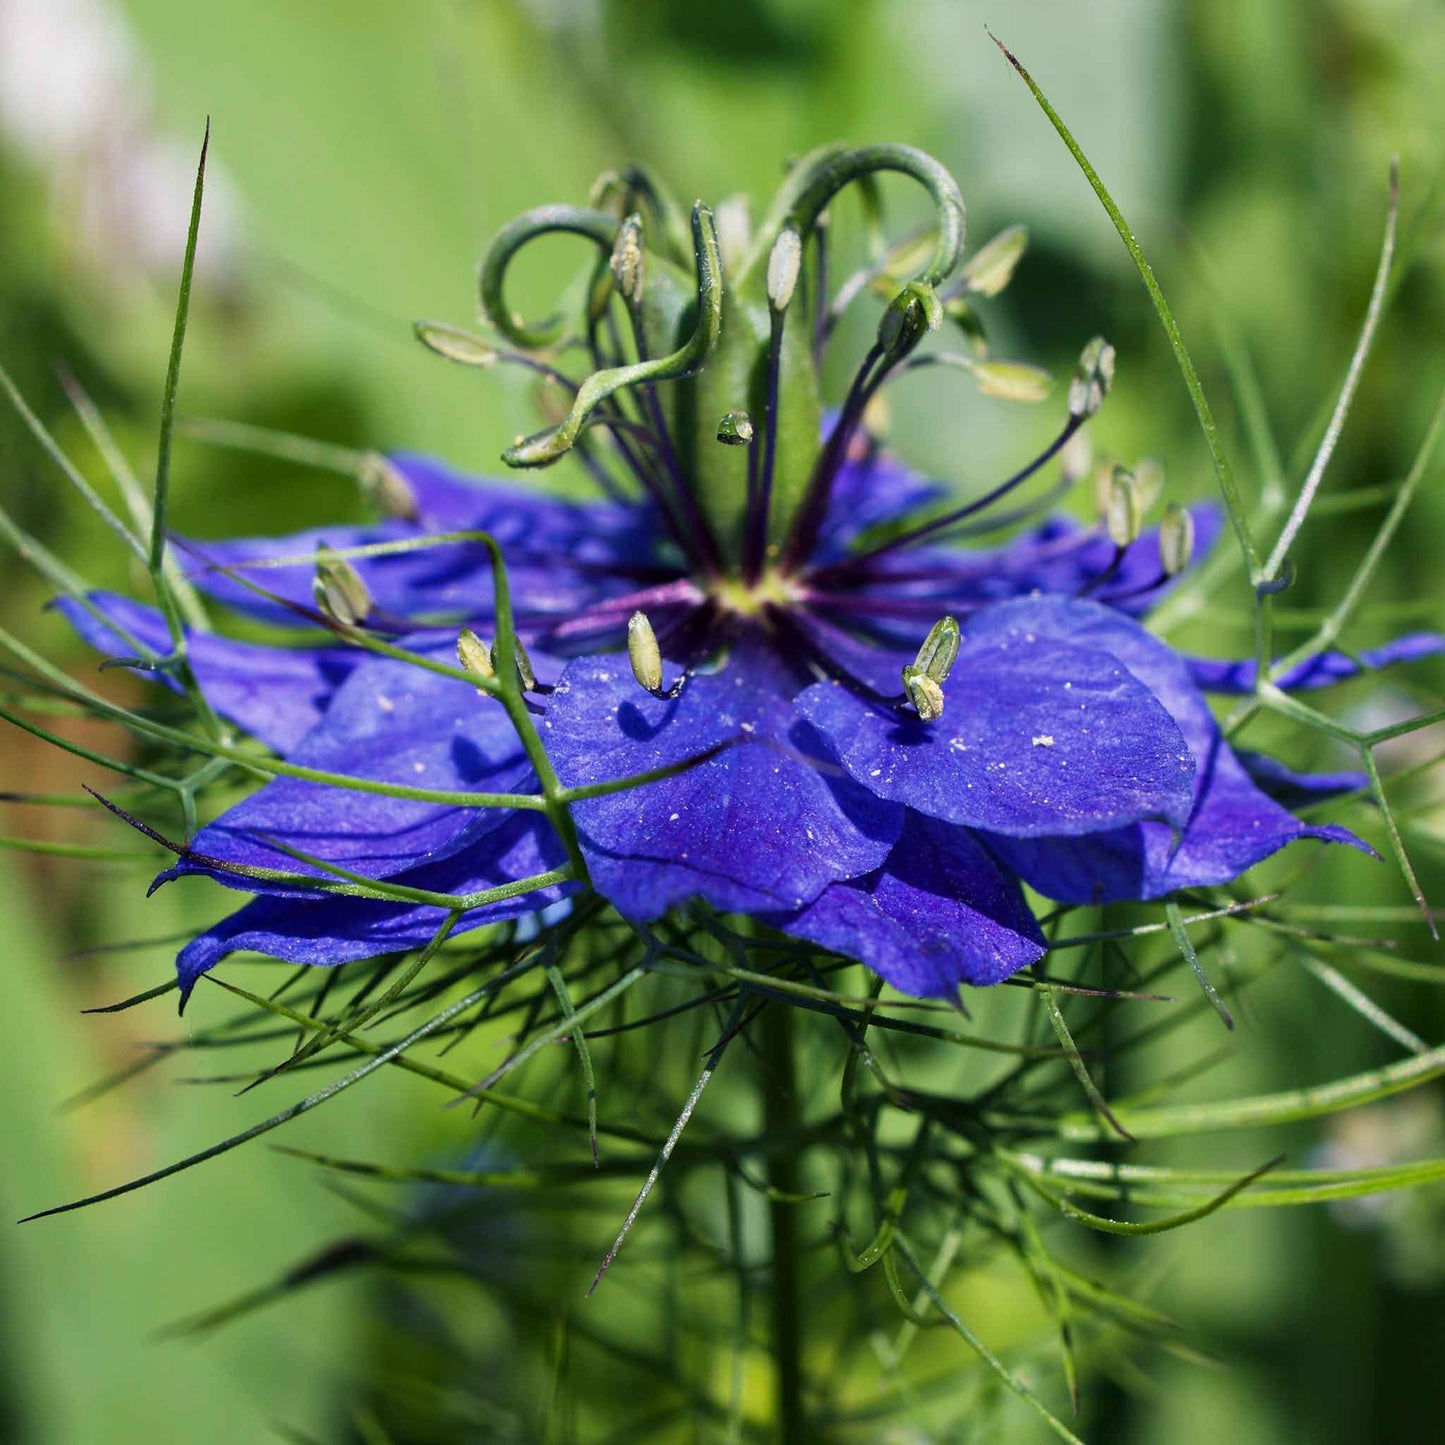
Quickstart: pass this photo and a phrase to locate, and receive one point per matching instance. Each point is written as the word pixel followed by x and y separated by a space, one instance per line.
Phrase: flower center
pixel 732 594
pixel 700 340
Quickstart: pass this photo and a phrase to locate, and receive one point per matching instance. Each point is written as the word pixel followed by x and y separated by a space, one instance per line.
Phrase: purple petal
pixel 766 824
pixel 561 555
pixel 1218 674
pixel 871 489
pixel 276 694
pixel 390 722
pixel 1298 790
pixel 939 913
pixel 1234 826
pixel 1038 737
pixel 1231 824
pixel 875 663
pixel 531 521
pixel 331 929
pixel 1058 557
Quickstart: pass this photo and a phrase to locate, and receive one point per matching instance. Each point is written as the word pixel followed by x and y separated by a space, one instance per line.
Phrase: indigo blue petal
pixel 1294 790
pixel 1058 557
pixel 561 555
pixel 766 824
pixel 1218 674
pixel 389 722
pixel 276 694
pixel 870 489
pixel 1038 737
pixel 1231 824
pixel 939 913
pixel 331 930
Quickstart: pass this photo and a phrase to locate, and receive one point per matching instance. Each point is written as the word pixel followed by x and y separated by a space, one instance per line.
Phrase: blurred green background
pixel 363 152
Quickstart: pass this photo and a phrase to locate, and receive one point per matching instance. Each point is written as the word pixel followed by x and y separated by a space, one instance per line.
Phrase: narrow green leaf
pixel 1362 1003
pixel 584 1053
pixel 1170 1188
pixel 1287 1107
pixel 264 441
pixel 382 1056
pixel 1274 566
pixel 1153 1226
pixel 173 371
pixel 1086 1082
pixel 1180 934
pixel 1224 472
pixel 69 470
pixel 666 1152
pixel 1012 1381
pixel 137 503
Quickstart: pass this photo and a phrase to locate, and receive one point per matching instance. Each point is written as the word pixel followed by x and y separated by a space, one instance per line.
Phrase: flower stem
pixel 780 1107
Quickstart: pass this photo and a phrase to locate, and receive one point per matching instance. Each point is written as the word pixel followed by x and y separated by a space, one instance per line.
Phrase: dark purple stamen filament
pixel 760 480
pixel 951 519
pixel 813 509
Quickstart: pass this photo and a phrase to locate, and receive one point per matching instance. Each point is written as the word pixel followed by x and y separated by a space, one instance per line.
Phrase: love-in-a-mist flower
pixel 870 735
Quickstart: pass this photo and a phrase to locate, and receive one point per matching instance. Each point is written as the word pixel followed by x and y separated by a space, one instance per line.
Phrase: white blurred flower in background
pixel 76 105
pixel 1396 1132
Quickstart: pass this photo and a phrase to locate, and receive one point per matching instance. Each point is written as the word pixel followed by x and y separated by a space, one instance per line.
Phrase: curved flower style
pixel 771 593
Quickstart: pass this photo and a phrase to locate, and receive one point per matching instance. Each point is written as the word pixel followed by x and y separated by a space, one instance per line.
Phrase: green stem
pixel 780 1109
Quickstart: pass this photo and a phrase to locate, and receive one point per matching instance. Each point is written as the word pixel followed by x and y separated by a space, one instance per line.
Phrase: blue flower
pixel 846 788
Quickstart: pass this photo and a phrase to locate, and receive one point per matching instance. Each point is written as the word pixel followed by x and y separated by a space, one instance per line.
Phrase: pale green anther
pixel 464 347
pixel 907 257
pixel 969 322
pixel 386 489
pixel 616 192
pixel 924 693
pixel 475 655
pixel 785 261
pixel 1103 483
pixel 1077 457
pixel 1148 483
pixel 549 400
pixel 643 652
pixel 1012 380
pixel 338 589
pixel 734 231
pixel 599 294
pixel 607 186
pixel 1176 539
pixel 735 429
pixel 524 665
pixel 627 260
pixel 939 651
pixel 910 316
pixel 992 267
pixel 878 416
pixel 1092 378
pixel 1123 517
